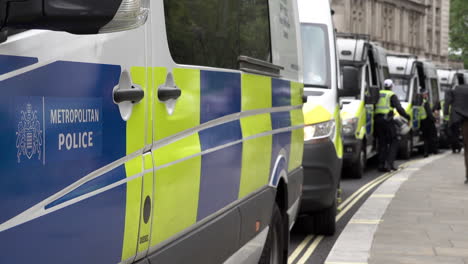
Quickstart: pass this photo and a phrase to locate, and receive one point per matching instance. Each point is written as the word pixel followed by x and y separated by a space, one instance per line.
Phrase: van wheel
pixel 323 222
pixel 407 147
pixel 357 169
pixel 273 251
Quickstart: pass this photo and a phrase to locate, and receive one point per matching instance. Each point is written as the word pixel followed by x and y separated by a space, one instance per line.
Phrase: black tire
pixel 324 222
pixel 274 249
pixel 358 167
pixel 406 149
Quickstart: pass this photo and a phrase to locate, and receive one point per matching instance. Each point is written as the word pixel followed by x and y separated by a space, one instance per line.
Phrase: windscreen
pixel 315 49
pixel 401 88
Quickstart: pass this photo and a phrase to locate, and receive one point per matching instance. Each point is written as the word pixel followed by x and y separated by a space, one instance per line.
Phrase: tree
pixel 459 30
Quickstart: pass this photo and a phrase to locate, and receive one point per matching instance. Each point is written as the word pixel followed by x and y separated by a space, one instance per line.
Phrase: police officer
pixel 428 127
pixel 460 106
pixel 453 121
pixel 385 127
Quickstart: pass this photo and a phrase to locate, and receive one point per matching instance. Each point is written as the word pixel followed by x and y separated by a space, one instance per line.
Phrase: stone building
pixel 418 27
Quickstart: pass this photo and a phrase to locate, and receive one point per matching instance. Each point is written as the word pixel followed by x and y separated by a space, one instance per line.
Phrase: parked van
pixel 364 69
pixel 465 75
pixel 410 75
pixel 323 148
pixel 448 80
pixel 176 139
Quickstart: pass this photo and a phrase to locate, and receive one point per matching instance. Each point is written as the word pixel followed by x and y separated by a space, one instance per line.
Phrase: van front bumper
pixel 322 170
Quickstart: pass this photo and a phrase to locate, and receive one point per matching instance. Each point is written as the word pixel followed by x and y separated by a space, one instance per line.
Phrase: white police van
pixel 149 131
pixel 364 68
pixel 410 75
pixel 323 148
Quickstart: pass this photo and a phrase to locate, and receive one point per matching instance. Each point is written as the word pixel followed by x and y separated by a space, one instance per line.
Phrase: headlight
pixel 349 126
pixel 319 131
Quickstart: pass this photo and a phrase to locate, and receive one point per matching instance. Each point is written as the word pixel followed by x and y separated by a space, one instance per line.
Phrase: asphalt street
pixel 308 248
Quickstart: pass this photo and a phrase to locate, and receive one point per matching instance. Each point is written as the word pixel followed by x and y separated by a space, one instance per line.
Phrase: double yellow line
pixel 343 208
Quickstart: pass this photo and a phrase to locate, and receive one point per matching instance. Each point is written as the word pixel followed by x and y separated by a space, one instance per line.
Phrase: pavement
pixel 418 215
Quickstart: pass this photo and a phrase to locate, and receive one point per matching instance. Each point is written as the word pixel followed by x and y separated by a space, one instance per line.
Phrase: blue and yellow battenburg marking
pixel 219 165
pixel 87 226
pixel 182 182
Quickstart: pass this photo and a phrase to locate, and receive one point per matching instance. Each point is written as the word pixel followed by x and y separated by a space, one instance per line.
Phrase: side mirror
pixel 372 95
pixel 73 16
pixel 351 82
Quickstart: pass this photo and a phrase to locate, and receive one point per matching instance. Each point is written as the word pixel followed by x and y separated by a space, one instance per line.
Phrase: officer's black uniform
pixel 460 106
pixel 454 122
pixel 429 131
pixel 385 131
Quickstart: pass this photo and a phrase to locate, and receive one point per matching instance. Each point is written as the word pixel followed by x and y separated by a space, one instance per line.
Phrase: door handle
pixel 126 95
pixel 133 95
pixel 166 93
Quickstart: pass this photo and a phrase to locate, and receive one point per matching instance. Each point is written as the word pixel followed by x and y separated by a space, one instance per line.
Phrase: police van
pixel 323 149
pixel 364 69
pixel 410 75
pixel 448 80
pixel 157 131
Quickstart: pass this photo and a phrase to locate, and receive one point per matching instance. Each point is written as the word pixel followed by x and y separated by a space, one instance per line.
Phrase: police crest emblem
pixel 29 134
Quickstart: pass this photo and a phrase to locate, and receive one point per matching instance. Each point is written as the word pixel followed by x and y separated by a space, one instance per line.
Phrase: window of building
pixel 215 33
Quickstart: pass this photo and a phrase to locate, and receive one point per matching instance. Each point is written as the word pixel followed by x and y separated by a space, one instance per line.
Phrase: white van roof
pixel 351 47
pixel 401 64
pixel 445 76
pixel 449 76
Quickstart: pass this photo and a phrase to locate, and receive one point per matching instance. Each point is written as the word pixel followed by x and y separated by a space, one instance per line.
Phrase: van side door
pixel 369 108
pixel 210 125
pixel 70 177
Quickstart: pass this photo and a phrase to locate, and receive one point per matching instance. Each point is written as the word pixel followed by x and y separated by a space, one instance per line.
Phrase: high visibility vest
pixel 384 105
pixel 422 113
pixel 449 112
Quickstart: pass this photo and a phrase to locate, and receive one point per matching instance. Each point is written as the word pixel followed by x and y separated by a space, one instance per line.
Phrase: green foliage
pixel 215 32
pixel 459 30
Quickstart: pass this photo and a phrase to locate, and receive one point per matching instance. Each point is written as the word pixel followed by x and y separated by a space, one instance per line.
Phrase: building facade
pixel 418 27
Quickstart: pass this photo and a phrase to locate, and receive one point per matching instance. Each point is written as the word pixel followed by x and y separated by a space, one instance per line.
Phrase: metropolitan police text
pixel 74 116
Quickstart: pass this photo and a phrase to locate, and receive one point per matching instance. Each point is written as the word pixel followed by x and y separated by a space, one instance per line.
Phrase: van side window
pixel 415 90
pixel 386 73
pixel 373 69
pixel 368 83
pixel 215 33
pixel 254 24
pixel 435 91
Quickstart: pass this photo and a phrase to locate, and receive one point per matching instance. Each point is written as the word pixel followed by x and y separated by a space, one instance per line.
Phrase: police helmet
pixel 402 125
pixel 388 84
